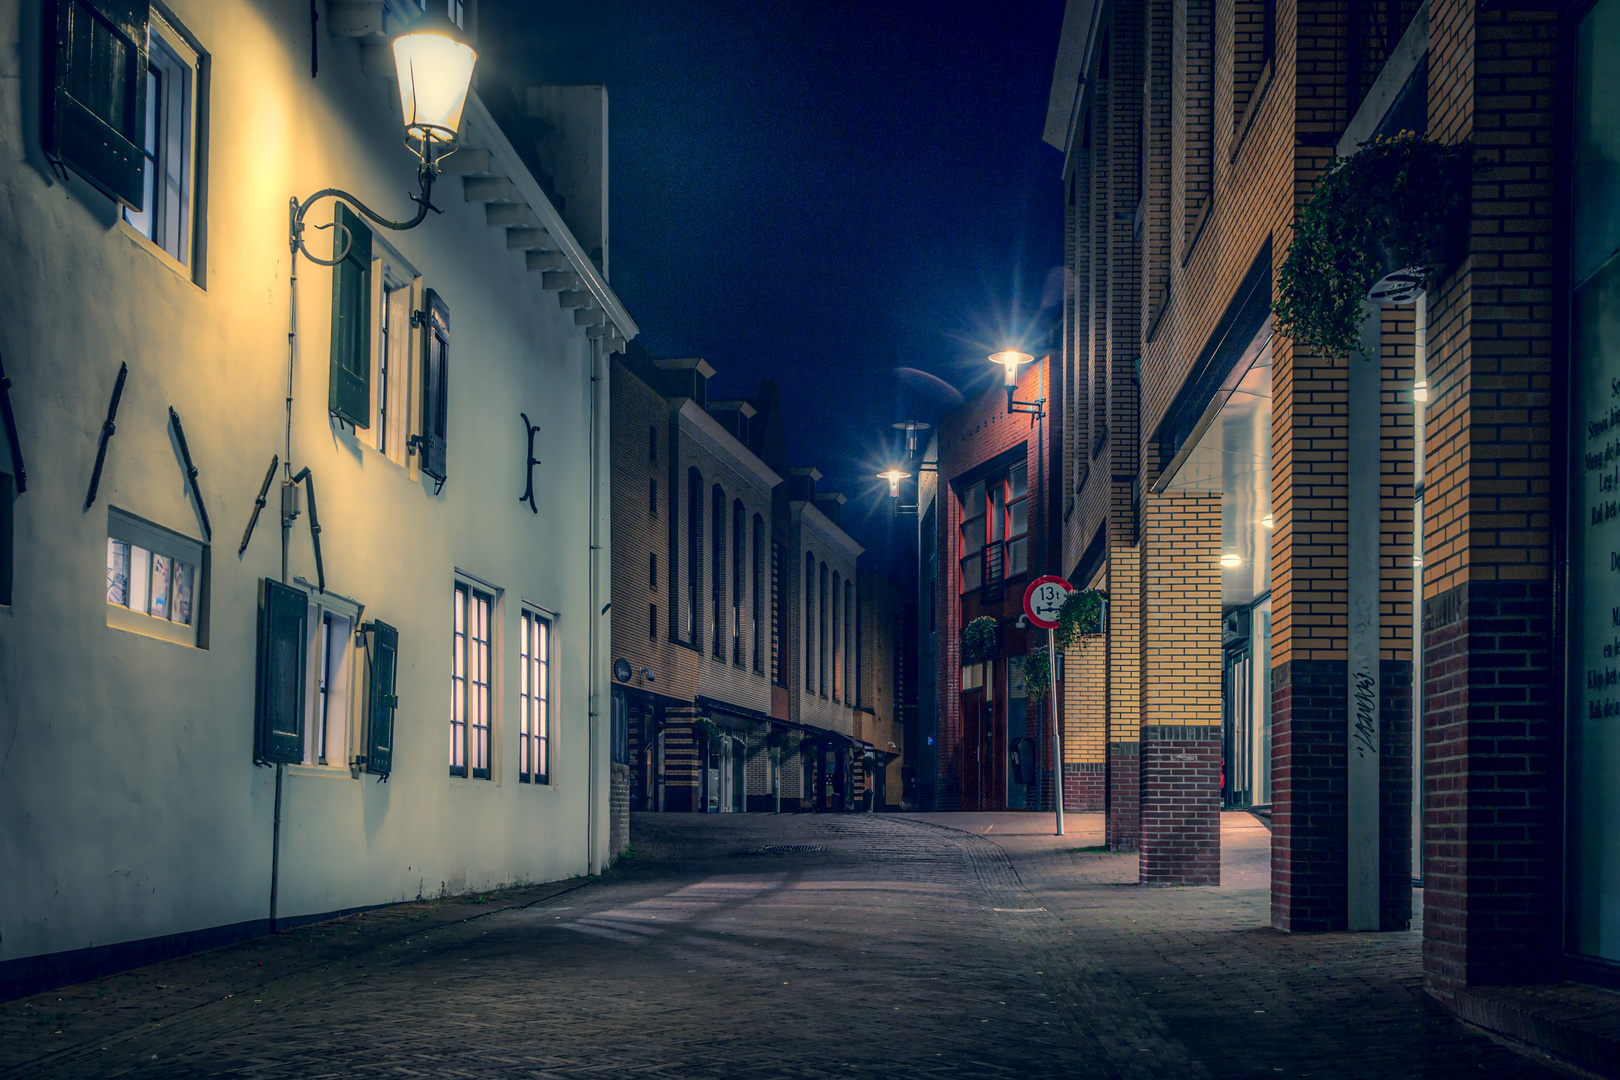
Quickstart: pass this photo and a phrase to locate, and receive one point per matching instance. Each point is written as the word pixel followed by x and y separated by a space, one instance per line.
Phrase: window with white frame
pixel 471 664
pixel 169 147
pixel 156 579
pixel 393 303
pixel 329 699
pixel 534 700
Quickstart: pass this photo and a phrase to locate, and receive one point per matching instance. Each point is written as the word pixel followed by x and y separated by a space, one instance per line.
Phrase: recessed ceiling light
pixel 1231 562
pixel 1267 522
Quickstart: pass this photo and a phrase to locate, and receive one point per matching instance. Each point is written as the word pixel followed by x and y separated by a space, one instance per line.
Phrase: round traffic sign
pixel 1043 600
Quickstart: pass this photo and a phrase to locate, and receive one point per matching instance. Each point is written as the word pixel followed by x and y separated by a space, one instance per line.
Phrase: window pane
pixel 478 669
pixel 140 577
pixel 972 572
pixel 1018 556
pixel 1018 478
pixel 160 586
pixel 972 536
pixel 117 572
pixel 973 504
pixel 1018 518
pixel 458 684
pixel 184 581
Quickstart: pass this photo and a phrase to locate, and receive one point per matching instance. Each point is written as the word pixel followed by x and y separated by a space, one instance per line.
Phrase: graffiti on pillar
pixel 1366 715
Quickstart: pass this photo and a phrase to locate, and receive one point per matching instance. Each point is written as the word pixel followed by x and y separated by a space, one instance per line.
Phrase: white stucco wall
pixel 129 804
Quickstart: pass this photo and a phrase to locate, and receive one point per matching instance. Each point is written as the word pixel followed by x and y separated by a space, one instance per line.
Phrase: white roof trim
pixel 489 133
pixel 1069 69
pixel 830 529
pixel 724 444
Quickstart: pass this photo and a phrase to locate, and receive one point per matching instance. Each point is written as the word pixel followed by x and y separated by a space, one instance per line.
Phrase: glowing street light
pixel 1231 561
pixel 893 476
pixel 1010 361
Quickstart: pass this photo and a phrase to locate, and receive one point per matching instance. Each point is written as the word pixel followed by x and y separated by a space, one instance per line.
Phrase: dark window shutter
pixel 349 397
pixel 94 93
pixel 383 702
pixel 279 718
pixel 435 386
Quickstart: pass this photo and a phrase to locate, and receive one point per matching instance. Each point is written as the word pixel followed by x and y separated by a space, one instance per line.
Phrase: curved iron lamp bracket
pixel 298 210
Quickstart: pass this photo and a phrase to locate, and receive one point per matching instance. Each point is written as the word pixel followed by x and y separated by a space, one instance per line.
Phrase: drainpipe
pixel 594 650
pixel 1420 395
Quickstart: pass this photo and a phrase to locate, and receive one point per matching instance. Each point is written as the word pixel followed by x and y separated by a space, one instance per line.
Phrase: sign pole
pixel 1057 736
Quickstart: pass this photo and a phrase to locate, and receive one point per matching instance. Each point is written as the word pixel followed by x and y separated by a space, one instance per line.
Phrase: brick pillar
pixel 1180 758
pixel 1492 816
pixel 1124 697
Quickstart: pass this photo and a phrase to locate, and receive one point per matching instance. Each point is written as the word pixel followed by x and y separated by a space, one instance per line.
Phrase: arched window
pixel 837 637
pixel 809 622
pixel 718 569
pixel 850 657
pixel 739 553
pixel 694 555
pixel 823 627
pixel 757 592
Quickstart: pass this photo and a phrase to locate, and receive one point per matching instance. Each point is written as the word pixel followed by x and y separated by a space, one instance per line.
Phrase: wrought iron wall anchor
pixel 8 418
pixel 303 476
pixel 191 473
pixel 258 504
pixel 107 429
pixel 528 491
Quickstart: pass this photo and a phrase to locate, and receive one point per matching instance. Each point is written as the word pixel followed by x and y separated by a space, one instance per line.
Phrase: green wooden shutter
pixel 94 93
pixel 436 387
pixel 279 718
pixel 349 396
pixel 383 701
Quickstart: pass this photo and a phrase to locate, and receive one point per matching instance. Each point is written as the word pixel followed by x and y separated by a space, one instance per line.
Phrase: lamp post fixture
pixel 893 476
pixel 434 65
pixel 1010 361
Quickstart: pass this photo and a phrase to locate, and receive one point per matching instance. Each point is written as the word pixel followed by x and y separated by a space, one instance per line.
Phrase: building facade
pixel 383 692
pixel 1369 596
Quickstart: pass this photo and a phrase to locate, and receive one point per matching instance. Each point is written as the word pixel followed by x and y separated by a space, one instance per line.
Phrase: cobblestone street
pixel 803 946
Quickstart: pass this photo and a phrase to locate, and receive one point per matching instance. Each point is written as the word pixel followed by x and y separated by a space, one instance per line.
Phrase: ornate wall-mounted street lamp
pixel 1010 361
pixel 434 65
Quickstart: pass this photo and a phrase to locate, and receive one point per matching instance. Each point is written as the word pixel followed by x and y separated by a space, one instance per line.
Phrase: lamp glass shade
pixel 1011 360
pixel 893 476
pixel 435 73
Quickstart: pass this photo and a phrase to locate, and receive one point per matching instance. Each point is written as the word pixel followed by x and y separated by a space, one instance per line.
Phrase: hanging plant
pixel 1380 225
pixel 1080 617
pixel 979 640
pixel 708 729
pixel 1037 675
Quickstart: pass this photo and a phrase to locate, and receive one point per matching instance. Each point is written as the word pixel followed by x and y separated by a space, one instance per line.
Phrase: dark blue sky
pixel 824 193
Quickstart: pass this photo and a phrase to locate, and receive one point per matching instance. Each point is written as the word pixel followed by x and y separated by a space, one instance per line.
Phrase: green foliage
pixel 1080 617
pixel 978 640
pixel 709 729
pixel 1395 203
pixel 1037 675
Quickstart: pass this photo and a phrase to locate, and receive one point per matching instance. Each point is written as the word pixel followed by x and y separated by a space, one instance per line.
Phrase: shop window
pixel 156 580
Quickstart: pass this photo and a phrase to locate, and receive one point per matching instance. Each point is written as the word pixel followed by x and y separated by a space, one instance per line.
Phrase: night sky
pixel 850 198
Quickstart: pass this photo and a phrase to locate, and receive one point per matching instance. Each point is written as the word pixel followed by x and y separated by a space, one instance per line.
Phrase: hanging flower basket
pixel 1381 225
pixel 709 729
pixel 979 640
pixel 1080 617
pixel 1037 675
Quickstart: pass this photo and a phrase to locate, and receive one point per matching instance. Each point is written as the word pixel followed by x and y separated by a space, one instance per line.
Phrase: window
pixel 837 637
pixel 329 644
pixel 851 657
pixel 995 528
pixel 823 626
pixel 167 181
pixel 652 496
pixel 652 570
pixel 395 284
pixel 755 593
pixel 694 554
pixel 470 703
pixel 534 700
pixel 652 622
pixel 809 623
pixel 739 526
pixel 717 569
pixel 156 580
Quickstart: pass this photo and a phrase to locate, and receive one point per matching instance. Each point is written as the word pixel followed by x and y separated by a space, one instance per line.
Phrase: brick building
pixel 1297 548
pixel 735 635
pixel 988 528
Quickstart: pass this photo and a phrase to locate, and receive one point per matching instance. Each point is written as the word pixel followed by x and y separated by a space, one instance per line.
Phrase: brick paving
pixel 860 946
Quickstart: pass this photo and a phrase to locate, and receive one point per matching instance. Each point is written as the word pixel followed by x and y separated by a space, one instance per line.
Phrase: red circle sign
pixel 1044 599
